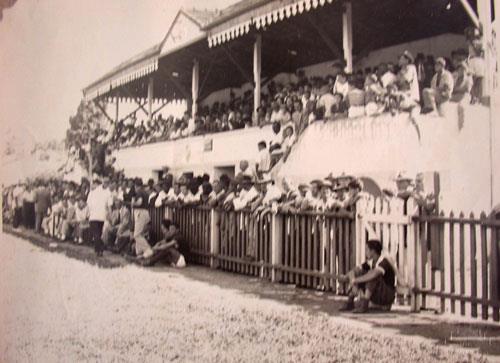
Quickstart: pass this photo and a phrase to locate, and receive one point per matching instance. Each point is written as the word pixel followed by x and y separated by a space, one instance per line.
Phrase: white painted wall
pixel 189 154
pixel 381 146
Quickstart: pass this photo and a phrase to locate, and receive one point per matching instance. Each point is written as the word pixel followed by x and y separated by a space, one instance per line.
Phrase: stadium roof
pixel 295 33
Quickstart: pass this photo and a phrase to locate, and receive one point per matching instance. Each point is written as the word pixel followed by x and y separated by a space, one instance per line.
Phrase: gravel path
pixel 53 308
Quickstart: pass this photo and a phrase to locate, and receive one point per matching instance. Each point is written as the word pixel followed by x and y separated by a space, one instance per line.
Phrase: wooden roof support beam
pixel 103 110
pixel 131 113
pixel 160 108
pixel 204 81
pixel 137 101
pixel 324 36
pixel 243 72
pixel 177 84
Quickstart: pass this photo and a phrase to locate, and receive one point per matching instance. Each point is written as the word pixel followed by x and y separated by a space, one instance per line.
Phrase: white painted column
pixel 257 68
pixel 347 35
pixel 150 98
pixel 484 13
pixel 195 87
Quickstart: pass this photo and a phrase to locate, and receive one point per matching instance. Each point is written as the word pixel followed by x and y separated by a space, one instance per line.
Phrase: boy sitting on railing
pixel 373 281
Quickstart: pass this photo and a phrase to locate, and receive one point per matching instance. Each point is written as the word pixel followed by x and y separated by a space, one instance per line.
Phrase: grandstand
pixel 213 57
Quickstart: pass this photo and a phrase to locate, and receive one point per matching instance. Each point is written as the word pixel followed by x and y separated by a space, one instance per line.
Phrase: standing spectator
pixel 141 221
pixel 17 196
pixel 263 159
pixel 97 204
pixel 441 88
pixel 29 206
pixel 42 205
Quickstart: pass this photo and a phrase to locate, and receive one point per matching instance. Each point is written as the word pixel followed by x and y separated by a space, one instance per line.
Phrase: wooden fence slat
pixel 303 229
pixel 494 277
pixel 451 276
pixel 484 270
pixel 334 251
pixel 473 266
pixel 461 233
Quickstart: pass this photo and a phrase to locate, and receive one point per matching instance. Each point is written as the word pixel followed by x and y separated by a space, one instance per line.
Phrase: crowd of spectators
pixel 114 213
pixel 410 84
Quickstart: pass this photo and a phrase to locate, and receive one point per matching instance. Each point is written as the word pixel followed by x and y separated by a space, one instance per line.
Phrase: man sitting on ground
pixel 169 248
pixel 373 281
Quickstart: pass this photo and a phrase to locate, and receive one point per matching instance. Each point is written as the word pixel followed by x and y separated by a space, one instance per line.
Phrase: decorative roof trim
pixel 268 16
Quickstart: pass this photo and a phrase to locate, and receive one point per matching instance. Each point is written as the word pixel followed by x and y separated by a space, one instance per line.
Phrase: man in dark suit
pixel 42 204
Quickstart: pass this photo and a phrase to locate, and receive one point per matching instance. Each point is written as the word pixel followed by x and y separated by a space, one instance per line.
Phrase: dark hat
pixel 318 182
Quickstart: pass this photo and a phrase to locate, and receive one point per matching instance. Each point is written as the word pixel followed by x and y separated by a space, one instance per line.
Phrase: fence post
pixel 413 257
pixel 276 246
pixel 360 232
pixel 214 238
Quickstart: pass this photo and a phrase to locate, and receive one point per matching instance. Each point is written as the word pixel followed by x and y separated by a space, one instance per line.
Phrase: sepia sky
pixel 51 49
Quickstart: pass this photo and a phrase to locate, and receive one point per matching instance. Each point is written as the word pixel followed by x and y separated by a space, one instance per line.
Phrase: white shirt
pixel 273 193
pixel 264 160
pixel 245 198
pixel 97 202
pixel 388 78
pixel 327 101
pixel 161 197
pixel 82 215
pixel 342 88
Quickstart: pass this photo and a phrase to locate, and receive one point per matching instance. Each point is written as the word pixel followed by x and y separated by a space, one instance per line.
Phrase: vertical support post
pixel 214 238
pixel 484 13
pixel 257 68
pixel 117 110
pixel 195 83
pixel 276 246
pixel 347 35
pixel 150 98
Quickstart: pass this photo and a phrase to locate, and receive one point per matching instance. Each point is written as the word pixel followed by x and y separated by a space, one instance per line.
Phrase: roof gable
pixel 186 27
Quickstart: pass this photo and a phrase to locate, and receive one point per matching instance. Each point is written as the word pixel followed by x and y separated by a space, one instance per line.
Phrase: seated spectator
pixel 289 140
pixel 463 83
pixel 124 228
pixel 111 223
pixel 69 222
pixel 168 249
pixel 326 101
pixel 341 85
pixel 82 216
pixel 407 81
pixel 441 89
pixel 373 281
pixel 385 75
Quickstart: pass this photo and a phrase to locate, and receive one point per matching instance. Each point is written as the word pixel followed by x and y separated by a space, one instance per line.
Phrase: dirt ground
pixel 59 309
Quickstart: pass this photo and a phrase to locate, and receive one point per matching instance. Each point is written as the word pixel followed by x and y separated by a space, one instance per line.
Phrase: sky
pixel 51 49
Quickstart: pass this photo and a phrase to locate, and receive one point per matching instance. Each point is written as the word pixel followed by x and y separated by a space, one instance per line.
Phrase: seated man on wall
pixel 441 88
pixel 373 281
pixel 169 249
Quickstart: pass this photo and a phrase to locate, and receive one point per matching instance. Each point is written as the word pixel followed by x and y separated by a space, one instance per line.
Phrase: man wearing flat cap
pixel 441 88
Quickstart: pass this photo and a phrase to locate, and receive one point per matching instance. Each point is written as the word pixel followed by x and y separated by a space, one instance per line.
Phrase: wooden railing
pixel 316 248
pixel 457 265
pixel 446 263
pixel 244 243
